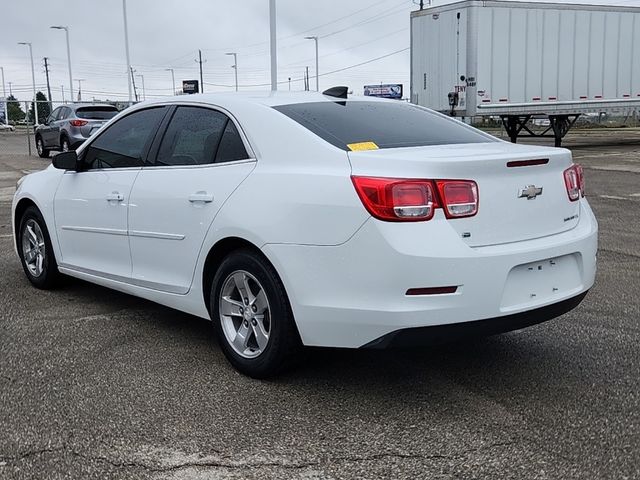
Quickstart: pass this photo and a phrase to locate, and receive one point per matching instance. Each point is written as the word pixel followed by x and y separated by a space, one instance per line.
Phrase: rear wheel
pixel 36 252
pixel 64 144
pixel 42 152
pixel 252 317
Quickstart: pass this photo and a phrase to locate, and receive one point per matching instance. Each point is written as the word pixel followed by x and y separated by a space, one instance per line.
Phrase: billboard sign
pixel 190 86
pixel 393 90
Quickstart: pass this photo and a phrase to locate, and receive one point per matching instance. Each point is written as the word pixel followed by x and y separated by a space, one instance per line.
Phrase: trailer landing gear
pixel 559 125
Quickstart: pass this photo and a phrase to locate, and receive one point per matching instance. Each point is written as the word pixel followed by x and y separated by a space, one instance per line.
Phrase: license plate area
pixel 539 282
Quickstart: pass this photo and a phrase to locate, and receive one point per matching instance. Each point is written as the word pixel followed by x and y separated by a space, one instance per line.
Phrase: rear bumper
pixel 352 294
pixel 438 334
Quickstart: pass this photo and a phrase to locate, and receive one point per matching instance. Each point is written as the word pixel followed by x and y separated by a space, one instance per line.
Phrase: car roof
pixel 265 98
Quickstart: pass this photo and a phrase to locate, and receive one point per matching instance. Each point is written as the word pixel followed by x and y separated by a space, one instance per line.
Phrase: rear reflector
pixel 528 163
pixel 431 291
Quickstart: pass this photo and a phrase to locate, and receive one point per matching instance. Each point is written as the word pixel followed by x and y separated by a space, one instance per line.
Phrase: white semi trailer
pixel 522 60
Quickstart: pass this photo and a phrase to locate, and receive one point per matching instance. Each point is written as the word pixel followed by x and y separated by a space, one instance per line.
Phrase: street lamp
pixel 33 79
pixel 66 31
pixel 144 95
pixel 317 80
pixel 126 46
pixel 173 78
pixel 235 66
pixel 4 94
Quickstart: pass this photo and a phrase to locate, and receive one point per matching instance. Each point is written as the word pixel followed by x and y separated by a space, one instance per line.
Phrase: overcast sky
pixel 167 34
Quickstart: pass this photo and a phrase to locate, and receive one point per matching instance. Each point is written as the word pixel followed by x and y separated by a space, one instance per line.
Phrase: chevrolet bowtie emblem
pixel 530 192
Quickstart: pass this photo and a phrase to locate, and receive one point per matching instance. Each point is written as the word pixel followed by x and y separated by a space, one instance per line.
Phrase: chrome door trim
pixel 106 231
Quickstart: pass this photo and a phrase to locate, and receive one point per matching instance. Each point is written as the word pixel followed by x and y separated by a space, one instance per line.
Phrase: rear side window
pixel 125 143
pixel 96 113
pixel 200 136
pixel 386 124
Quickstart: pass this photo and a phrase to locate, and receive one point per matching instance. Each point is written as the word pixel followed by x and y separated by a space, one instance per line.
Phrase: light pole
pixel 126 46
pixel 62 88
pixel 66 31
pixel 79 80
pixel 272 42
pixel 235 66
pixel 173 78
pixel 33 79
pixel 144 95
pixel 4 94
pixel 314 38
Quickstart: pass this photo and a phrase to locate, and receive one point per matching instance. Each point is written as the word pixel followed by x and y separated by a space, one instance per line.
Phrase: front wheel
pixel 36 252
pixel 252 316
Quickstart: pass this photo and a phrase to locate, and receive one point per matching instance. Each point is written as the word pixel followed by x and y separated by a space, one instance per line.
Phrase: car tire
pixel 65 146
pixel 42 152
pixel 35 250
pixel 256 331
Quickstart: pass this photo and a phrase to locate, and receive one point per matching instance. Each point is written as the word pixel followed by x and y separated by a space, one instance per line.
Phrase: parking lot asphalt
pixel 98 384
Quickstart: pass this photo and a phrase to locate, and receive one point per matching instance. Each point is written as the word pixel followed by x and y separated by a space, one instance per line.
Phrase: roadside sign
pixel 190 86
pixel 393 90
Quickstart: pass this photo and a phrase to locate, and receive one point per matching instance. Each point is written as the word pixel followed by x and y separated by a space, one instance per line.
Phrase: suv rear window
pixel 96 113
pixel 387 124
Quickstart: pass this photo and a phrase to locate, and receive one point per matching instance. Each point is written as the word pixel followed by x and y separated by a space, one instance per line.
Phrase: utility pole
pixel 173 79
pixel 306 79
pixel 200 61
pixel 4 94
pixel 289 83
pixel 10 91
pixel 144 94
pixel 79 80
pixel 274 50
pixel 235 66
pixel 46 71
pixel 62 87
pixel 126 47
pixel 315 39
pixel 133 80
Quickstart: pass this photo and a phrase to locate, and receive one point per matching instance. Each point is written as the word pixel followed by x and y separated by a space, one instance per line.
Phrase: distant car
pixel 4 127
pixel 300 217
pixel 70 125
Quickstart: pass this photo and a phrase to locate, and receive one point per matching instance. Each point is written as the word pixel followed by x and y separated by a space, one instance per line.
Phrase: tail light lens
pixel 412 200
pixel 396 200
pixel 459 197
pixel 574 181
pixel 78 123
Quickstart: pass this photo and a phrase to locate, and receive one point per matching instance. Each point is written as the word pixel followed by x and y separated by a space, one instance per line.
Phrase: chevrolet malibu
pixel 293 219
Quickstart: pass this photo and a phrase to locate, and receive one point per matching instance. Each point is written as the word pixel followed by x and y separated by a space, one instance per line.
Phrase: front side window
pixel 125 143
pixel 54 115
pixel 200 136
pixel 385 124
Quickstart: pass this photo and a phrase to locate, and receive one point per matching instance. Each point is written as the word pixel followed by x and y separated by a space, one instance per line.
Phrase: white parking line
pixel 614 197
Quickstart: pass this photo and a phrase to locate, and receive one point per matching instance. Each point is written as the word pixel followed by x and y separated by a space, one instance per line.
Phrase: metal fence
pixel 17 136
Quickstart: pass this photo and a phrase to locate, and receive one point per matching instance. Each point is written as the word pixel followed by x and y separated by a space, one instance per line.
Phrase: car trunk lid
pixel 518 199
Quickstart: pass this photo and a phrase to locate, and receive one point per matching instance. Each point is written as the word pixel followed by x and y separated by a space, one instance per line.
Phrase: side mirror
pixel 66 160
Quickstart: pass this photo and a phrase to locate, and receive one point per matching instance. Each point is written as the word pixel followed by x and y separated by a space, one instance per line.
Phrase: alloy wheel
pixel 33 247
pixel 245 314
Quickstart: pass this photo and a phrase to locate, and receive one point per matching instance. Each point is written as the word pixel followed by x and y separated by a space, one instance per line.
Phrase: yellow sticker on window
pixel 357 147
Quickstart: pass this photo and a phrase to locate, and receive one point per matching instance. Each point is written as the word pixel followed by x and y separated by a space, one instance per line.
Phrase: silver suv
pixel 70 125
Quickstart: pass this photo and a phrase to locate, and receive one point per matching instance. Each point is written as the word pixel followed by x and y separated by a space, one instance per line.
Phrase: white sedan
pixel 293 219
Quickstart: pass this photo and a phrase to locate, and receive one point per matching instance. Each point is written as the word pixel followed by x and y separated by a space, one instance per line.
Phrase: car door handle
pixel 115 197
pixel 203 197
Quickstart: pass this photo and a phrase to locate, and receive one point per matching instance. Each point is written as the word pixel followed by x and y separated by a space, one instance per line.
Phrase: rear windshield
pixel 97 113
pixel 348 124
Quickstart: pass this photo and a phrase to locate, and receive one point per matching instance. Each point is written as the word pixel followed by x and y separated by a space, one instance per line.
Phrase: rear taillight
pixel 78 123
pixel 574 181
pixel 459 197
pixel 413 200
